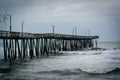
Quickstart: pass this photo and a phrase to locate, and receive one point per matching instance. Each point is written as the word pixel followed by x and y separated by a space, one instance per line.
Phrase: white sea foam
pixel 102 63
pixel 72 65
pixel 97 61
pixel 77 63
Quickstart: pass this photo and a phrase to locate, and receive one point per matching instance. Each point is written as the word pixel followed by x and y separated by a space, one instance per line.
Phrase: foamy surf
pixel 102 64
pixel 97 61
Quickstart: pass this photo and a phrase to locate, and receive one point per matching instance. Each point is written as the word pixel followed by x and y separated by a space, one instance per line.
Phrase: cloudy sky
pixel 99 17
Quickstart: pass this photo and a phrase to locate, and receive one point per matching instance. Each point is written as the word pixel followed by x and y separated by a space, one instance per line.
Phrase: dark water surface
pixel 75 65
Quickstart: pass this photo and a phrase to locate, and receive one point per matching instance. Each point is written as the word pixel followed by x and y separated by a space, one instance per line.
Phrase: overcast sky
pixel 100 17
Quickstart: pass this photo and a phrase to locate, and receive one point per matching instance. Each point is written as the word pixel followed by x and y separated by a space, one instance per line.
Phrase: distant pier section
pixel 19 45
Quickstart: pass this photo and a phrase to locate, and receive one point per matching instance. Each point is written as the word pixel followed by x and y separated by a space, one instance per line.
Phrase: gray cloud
pixel 100 16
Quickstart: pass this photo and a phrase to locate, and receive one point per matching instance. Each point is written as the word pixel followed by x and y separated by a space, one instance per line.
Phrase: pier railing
pixel 19 35
pixel 8 34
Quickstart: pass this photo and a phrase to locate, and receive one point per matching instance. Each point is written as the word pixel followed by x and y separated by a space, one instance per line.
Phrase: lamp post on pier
pixel 10 23
pixel 53 29
pixel 4 20
pixel 22 27
pixel 75 31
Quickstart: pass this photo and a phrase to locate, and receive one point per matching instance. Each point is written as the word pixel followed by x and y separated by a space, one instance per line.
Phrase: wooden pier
pixel 18 45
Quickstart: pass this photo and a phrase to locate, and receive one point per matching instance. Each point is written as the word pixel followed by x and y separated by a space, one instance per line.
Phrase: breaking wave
pixel 114 71
pixel 77 72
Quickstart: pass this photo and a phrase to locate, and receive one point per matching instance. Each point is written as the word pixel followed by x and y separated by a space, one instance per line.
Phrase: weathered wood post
pixel 15 55
pixel 96 43
pixel 5 49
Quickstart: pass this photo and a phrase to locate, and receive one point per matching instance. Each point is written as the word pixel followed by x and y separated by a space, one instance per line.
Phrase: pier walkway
pixel 18 45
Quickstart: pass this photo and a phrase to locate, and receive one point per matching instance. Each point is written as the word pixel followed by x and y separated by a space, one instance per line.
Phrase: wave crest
pixel 78 72
pixel 113 71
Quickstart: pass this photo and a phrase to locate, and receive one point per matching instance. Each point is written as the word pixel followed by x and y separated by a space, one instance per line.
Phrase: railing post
pixel 5 51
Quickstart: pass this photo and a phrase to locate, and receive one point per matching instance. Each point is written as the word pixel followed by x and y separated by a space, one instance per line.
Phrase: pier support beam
pixel 5 49
pixel 96 43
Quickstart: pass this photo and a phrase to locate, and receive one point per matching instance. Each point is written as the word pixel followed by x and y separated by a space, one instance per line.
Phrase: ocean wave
pixel 78 72
pixel 87 52
pixel 93 52
pixel 112 71
pixel 62 72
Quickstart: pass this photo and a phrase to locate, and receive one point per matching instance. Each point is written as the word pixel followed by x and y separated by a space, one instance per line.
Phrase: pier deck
pixel 20 35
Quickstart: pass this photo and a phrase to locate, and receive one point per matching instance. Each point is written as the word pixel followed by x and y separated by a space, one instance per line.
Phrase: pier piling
pixel 17 46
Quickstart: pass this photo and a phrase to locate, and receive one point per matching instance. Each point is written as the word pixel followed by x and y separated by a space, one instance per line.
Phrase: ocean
pixel 103 64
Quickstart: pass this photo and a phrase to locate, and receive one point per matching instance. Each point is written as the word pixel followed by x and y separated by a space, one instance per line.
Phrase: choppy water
pixel 75 65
